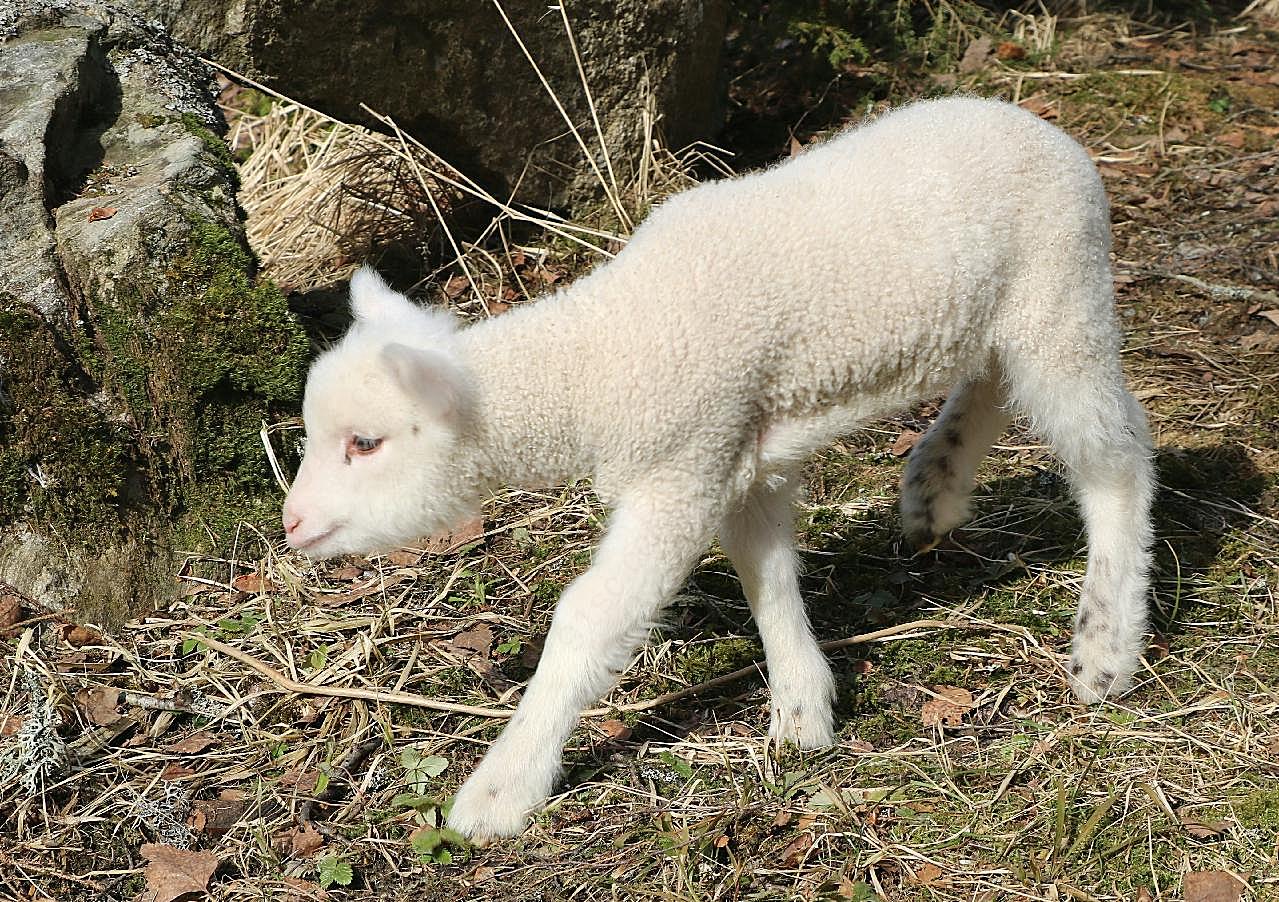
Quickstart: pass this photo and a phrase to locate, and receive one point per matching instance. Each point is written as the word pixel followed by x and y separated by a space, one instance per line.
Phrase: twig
pixel 418 701
pixel 371 695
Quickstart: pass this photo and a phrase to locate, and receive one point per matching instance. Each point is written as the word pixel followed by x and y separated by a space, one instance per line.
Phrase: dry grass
pixel 1026 796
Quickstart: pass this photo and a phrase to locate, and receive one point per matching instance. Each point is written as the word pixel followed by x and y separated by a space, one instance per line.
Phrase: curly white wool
pixel 954 244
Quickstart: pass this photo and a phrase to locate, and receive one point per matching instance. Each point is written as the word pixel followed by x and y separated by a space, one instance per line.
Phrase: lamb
pixel 954 244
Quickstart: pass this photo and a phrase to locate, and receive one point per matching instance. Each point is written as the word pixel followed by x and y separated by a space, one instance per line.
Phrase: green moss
pixel 214 145
pixel 202 364
pixel 1259 810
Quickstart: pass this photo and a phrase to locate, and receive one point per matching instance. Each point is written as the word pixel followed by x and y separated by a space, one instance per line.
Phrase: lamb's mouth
pixel 317 539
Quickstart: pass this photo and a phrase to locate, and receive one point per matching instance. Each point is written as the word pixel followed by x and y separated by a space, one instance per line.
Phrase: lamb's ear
pixel 373 299
pixel 430 378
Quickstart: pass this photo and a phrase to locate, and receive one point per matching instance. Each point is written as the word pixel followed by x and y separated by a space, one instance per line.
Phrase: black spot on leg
pixel 953 436
pixel 348 460
pixel 416 428
pixel 1084 616
pixel 945 467
pixel 1105 679
pixel 797 712
pixel 1076 668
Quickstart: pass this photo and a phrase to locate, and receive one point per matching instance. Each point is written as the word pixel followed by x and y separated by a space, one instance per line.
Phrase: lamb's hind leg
pixel 1099 431
pixel 938 484
pixel 759 540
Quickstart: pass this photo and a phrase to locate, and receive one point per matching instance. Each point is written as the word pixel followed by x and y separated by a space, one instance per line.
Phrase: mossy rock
pixel 136 383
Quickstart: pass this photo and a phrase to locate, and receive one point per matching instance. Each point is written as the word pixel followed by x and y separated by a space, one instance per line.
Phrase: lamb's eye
pixel 359 444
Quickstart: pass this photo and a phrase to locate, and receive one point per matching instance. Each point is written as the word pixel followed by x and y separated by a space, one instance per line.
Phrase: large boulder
pixel 139 356
pixel 451 73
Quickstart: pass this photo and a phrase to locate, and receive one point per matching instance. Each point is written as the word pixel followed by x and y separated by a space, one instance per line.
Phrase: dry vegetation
pixel 963 772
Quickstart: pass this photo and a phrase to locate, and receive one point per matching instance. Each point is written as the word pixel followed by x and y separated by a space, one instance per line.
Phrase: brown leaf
pixel 192 745
pixel 615 729
pixel 80 636
pixel 928 873
pixel 454 287
pixel 254 584
pixel 948 709
pixel 468 532
pixel 975 55
pixel 305 889
pixel 346 574
pixel 1272 315
pixel 905 442
pixel 404 557
pixel 1010 50
pixel 1212 886
pixel 795 147
pixel 477 640
pixel 496 307
pixel 1159 647
pixel 215 817
pixel 300 842
pixel 1203 829
pixel 304 781
pixel 375 586
pixel 1143 894
pixel 1235 139
pixel 102 213
pixel 1044 109
pixel 10 610
pixel 173 772
pixel 10 724
pixel 171 872
pixel 793 854
pixel 99 704
pixel 782 819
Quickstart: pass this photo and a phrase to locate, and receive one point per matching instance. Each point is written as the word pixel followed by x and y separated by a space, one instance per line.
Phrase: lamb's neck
pixel 527 375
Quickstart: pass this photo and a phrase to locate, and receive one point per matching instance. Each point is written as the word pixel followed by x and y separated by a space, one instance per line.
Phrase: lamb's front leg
pixel 599 622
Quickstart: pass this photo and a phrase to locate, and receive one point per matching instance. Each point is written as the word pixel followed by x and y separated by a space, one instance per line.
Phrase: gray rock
pixel 450 73
pixel 138 356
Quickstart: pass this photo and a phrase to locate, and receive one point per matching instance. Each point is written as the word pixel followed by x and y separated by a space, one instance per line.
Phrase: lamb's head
pixel 388 413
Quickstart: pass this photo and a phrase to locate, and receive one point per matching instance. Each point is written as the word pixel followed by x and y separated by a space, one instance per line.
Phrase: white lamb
pixel 954 244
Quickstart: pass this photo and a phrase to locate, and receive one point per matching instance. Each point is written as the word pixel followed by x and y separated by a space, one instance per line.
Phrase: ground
pixel 963 768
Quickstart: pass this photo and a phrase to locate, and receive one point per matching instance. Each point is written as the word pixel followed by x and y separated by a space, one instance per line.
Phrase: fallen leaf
pixel 102 213
pixel 1272 315
pixel 615 729
pixel 793 854
pixel 304 781
pixel 346 574
pixel 477 640
pixel 300 842
pixel 948 709
pixel 171 872
pixel 10 724
pixel 375 586
pixel 468 532
pixel 215 817
pixel 782 819
pixel 1235 139
pixel 482 873
pixel 10 610
pixel 306 889
pixel 192 745
pixel 173 772
pixel 1143 894
pixel 80 636
pixel 1159 647
pixel 254 584
pixel 404 557
pixel 496 307
pixel 1010 50
pixel 454 287
pixel 858 745
pixel 1044 109
pixel 99 704
pixel 795 147
pixel 905 442
pixel 1202 829
pixel 1212 886
pixel 928 873
pixel 975 55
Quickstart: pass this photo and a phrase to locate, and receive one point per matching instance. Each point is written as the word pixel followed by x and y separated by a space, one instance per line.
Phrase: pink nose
pixel 291 522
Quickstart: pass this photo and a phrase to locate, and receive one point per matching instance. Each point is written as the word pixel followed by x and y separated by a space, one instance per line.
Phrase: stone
pixel 139 355
pixel 451 74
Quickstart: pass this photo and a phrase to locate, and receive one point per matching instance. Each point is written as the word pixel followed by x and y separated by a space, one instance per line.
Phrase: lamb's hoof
pixel 484 811
pixel 922 547
pixel 1092 681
